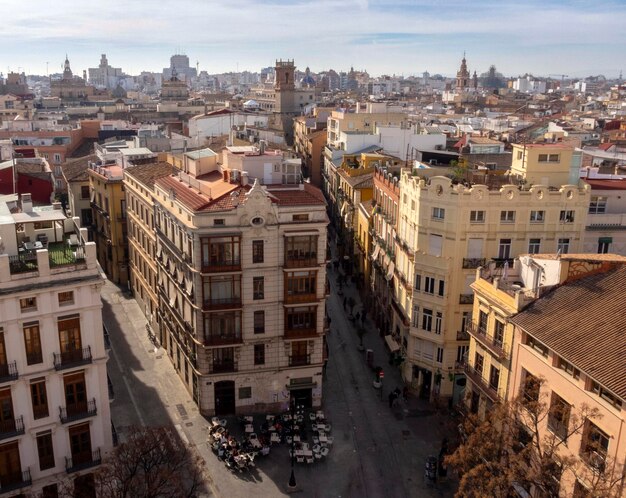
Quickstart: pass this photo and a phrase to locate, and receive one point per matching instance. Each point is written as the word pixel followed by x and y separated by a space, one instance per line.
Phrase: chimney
pixel 261 147
pixel 27 203
pixel 244 178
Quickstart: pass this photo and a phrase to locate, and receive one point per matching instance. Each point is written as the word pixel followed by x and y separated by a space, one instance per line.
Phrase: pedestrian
pixel 345 302
pixel 405 393
pixel 363 317
pixel 358 315
pixel 392 398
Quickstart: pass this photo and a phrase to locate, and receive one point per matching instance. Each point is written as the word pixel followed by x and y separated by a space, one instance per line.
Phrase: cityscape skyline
pixel 380 36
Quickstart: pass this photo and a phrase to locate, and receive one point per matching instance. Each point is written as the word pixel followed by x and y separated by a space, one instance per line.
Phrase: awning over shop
pixel 392 344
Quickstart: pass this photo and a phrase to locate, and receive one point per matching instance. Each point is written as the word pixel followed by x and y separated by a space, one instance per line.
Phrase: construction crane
pixel 563 76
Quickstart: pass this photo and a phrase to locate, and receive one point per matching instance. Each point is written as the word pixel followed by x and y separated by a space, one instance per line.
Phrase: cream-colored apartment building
pixel 55 423
pixel 241 280
pixel 447 230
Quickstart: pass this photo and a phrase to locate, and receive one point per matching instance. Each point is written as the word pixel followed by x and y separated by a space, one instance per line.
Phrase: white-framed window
pixel 597 205
pixel 534 246
pixel 57 158
pixel 537 216
pixel 562 246
pixel 504 249
pixel 461 354
pixel 549 158
pixel 418 281
pixel 415 316
pixel 438 322
pixel 566 216
pixel 439 213
pixel 477 216
pixel 427 320
pixel 429 285
pixel 439 355
pixel 507 216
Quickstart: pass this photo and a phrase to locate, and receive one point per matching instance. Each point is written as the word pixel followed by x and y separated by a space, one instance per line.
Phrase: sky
pixel 402 37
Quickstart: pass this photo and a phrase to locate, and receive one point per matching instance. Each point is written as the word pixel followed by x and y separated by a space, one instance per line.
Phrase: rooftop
pixel 581 322
pixel 148 173
pixel 199 154
pixel 75 170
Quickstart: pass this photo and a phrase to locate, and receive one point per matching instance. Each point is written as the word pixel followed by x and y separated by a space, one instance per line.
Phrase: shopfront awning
pixel 376 252
pixel 392 344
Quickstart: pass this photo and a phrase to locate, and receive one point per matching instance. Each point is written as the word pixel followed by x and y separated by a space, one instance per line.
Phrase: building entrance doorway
pixel 225 397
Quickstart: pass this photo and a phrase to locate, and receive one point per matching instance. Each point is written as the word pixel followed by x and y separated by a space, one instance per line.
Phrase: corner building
pixel 242 280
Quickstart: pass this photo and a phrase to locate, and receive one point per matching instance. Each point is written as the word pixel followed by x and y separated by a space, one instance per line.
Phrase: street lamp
pixel 292 477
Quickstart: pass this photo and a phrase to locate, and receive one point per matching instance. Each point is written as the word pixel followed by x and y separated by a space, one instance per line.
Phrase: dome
pixel 307 79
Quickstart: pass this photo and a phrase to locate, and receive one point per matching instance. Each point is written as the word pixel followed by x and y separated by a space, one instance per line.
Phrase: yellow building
pixel 139 186
pixel 445 231
pixel 546 163
pixel 108 202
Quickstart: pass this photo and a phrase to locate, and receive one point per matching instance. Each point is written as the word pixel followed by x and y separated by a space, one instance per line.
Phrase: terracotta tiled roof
pixel 606 184
pixel 147 174
pixel 310 196
pixel 592 256
pixel 605 146
pixel 583 321
pixel 75 170
pixel 187 195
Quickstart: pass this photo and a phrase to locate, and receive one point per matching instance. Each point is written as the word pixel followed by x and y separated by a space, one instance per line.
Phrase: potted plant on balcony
pixel 360 332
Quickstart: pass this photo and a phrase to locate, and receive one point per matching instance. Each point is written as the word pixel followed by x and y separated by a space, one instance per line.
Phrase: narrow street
pixel 377 452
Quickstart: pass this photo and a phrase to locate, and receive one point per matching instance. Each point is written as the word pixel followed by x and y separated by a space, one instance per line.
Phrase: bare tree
pixel 152 463
pixel 510 447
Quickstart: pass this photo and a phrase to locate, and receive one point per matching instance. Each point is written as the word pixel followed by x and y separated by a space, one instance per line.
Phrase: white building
pixel 528 84
pixel 55 421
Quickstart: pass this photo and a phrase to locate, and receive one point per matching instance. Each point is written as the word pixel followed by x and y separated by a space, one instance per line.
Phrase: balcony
pixel 557 427
pixel 222 339
pixel 15 481
pixel 24 262
pixel 297 298
pixel 300 333
pixel 307 260
pixel 12 427
pixel 226 303
pixel 495 347
pixel 299 360
pixel 78 411
pixel 8 372
pixel 473 263
pixel 83 460
pixel 466 298
pixel 72 358
pixel 223 366
pixel 500 262
pixel 477 379
pixel 216 266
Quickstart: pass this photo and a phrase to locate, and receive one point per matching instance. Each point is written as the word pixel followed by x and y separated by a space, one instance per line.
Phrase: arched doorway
pixel 225 397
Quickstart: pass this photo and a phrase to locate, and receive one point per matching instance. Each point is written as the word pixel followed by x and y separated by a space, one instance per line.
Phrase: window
pixel 258 288
pixel 69 336
pixel 477 216
pixel 50 491
pixel 479 361
pixel 45 450
pixel 259 354
pixel 442 286
pixel 597 204
pixel 257 251
pixel 32 343
pixel 507 216
pixel 245 392
pixel 439 357
pixel 504 249
pixel 534 246
pixel 520 154
pixel 498 334
pixel 461 354
pixel 548 158
pixel 220 252
pixel 537 216
pixel 57 158
pixel 301 251
pixel 537 346
pixel 300 286
pixel 300 217
pixel 427 320
pixel 566 216
pixel 558 416
pixel 39 398
pixel 595 445
pixel 219 222
pixel 494 377
pixel 482 322
pixel 530 387
pixel 418 282
pixel 222 327
pixel 66 297
pixel 415 316
pixel 605 394
pixel 568 368
pixel 221 290
pixel 429 285
pixel 28 304
pixel 562 246
pixel 438 322
pixel 439 213
pixel 84 192
pixel 303 318
pixel 604 245
pixel 259 322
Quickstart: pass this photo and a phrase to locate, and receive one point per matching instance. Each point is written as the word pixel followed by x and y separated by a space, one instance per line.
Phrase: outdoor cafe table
pixel 249 428
pixel 32 246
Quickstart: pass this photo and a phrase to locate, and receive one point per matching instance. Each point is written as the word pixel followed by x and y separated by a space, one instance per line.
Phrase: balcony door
pixel 70 340
pixel 80 444
pixel 10 465
pixel 7 419
pixel 75 393
pixel 3 351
